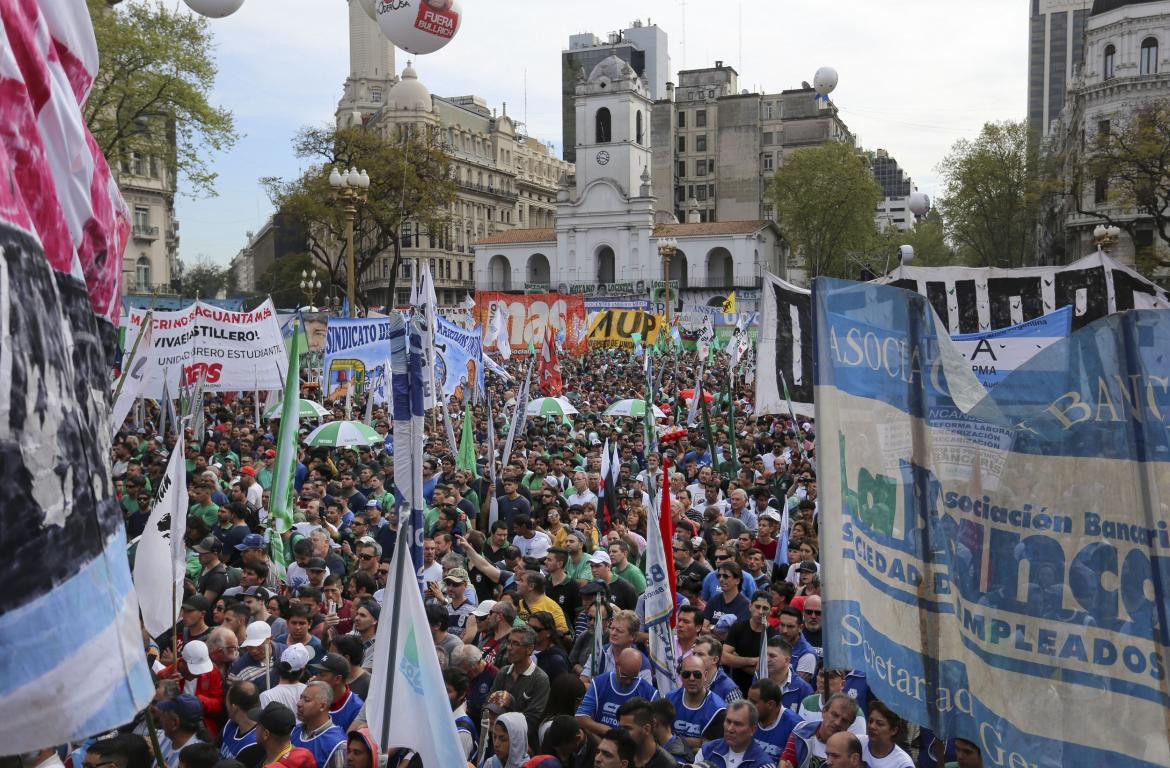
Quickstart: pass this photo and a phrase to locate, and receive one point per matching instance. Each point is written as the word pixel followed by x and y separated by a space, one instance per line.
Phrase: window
pixel 682 119
pixel 700 118
pixel 459 269
pixel 701 192
pixel 700 167
pixel 682 168
pixel 710 166
pixel 638 127
pixel 680 194
pixel 682 143
pixel 690 191
pixel 1100 190
pixel 141 217
pixel 767 161
pixel 406 233
pixel 602 129
pixel 1107 62
pixel 142 273
pixel 1149 61
pixel 1102 130
pixel 154 168
pixel 376 95
pixel 701 142
pixel 711 191
pixel 139 164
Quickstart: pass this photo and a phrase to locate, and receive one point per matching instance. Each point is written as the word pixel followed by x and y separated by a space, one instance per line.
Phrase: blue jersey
pixel 233 742
pixel 694 723
pixel 725 687
pixel 603 698
pixel 774 739
pixel 857 688
pixel 323 745
pixel 347 710
pixel 794 691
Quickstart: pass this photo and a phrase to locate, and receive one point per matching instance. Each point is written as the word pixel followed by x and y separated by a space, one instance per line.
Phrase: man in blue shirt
pixel 698 712
pixel 776 722
pixel 597 712
pixel 239 734
pixel 793 688
pixel 316 731
pixel 333 669
pixel 738 747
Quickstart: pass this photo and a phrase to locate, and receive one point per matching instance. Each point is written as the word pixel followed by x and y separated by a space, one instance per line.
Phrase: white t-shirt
pixel 896 759
pixel 536 547
pixel 286 693
pixel 588 497
pixel 432 572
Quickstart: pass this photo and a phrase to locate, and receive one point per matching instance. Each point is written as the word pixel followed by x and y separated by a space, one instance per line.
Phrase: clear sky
pixel 915 75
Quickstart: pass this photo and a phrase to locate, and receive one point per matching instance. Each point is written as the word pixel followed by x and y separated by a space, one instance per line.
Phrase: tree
pixel 152 93
pixel 825 197
pixel 282 280
pixel 206 279
pixel 410 189
pixel 989 205
pixel 928 236
pixel 1133 162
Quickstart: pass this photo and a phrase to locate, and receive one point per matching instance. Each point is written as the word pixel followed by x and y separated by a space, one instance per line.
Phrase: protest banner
pixel 234 351
pixel 1010 595
pixel 616 328
pixel 458 359
pixel 528 315
pixel 785 348
pixel 995 354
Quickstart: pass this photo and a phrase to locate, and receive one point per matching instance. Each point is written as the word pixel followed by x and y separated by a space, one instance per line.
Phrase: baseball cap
pixel 483 609
pixel 725 622
pixel 316 564
pixel 600 557
pixel 807 566
pixel 188 708
pixel 196 603
pixel 251 541
pixel 594 587
pixel 457 576
pixel 276 718
pixel 207 544
pixel 257 633
pixel 333 663
pixel 579 536
pixel 198 658
pixel 373 504
pixel 250 471
pixel 772 515
pixel 264 593
pixel 271 454
pixel 296 656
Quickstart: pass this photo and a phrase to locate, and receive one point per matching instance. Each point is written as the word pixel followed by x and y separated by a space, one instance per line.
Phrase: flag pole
pixel 146 322
pixel 400 557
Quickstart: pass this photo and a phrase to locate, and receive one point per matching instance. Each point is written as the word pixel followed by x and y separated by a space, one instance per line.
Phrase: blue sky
pixel 915 75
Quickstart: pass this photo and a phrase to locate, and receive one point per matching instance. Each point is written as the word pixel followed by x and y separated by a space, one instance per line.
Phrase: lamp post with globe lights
pixel 667 248
pixel 311 286
pixel 349 188
pixel 1106 237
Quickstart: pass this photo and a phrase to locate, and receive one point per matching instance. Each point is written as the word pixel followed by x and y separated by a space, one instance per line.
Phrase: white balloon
pixel 919 203
pixel 368 7
pixel 825 80
pixel 422 29
pixel 215 9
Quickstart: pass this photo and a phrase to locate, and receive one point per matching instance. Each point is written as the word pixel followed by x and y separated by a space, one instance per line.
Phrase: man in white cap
pixel 293 661
pixel 258 654
pixel 197 675
pixel 621 592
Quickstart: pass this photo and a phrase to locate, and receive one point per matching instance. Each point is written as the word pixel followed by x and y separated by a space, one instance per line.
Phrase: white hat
pixel 599 557
pixel 297 656
pixel 483 609
pixel 772 515
pixel 551 481
pixel 257 633
pixel 197 658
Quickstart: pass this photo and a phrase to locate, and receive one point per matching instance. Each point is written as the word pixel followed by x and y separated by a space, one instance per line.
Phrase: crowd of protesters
pixel 273 662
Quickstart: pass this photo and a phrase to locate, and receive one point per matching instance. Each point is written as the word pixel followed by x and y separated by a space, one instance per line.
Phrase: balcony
pixel 487 189
pixel 144 232
pixel 160 289
pixel 720 282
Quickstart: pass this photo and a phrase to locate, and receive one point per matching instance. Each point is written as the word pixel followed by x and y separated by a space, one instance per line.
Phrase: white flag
pixel 161 558
pixel 498 332
pixel 133 381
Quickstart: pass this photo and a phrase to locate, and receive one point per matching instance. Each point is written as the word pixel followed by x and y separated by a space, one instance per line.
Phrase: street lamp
pixel 1106 237
pixel 667 248
pixel 349 189
pixel 311 286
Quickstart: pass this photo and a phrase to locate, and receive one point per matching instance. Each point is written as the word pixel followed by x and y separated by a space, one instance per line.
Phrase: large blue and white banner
pixel 1001 560
pixel 356 350
pixel 995 354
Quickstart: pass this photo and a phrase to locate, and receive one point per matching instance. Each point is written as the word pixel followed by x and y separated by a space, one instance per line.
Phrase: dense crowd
pixel 273 662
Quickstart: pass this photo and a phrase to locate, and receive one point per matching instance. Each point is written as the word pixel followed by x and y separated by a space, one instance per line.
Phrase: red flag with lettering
pixel 548 368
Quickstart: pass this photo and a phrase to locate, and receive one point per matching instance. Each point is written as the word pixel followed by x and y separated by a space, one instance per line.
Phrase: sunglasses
pixel 729 576
pixel 719 558
pixel 807 612
pixel 692 674
pixel 365 557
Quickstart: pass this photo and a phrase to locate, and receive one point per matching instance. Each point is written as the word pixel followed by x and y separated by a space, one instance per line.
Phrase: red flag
pixel 548 368
pixel 666 528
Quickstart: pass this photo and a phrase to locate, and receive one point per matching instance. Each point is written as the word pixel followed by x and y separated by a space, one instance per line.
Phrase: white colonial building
pixel 606 236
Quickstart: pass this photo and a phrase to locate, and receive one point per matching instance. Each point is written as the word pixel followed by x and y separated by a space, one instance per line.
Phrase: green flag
pixel 466 458
pixel 285 466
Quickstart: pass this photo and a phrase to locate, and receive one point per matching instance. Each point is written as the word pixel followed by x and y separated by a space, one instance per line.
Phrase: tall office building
pixel 1056 41
pixel 643 46
pixel 371 69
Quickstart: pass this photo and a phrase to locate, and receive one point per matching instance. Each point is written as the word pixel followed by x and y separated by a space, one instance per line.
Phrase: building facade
pixel 645 47
pixel 716 146
pixel 607 230
pixel 281 236
pixel 150 264
pixel 894 209
pixel 1126 64
pixel 371 68
pixel 1056 37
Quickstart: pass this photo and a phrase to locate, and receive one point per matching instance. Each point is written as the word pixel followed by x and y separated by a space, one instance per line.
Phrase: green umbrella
pixel 306 409
pixel 550 406
pixel 343 434
pixel 632 409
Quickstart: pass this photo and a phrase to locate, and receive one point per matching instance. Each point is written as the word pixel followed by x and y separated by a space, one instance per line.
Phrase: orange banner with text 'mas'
pixel 528 315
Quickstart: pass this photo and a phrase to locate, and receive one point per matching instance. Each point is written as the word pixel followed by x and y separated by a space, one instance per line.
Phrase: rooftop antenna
pixel 683 5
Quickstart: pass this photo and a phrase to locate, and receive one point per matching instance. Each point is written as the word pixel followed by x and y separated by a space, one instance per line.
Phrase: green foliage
pixel 928 237
pixel 205 279
pixel 825 197
pixel 410 183
pixel 282 280
pixel 989 206
pixel 152 91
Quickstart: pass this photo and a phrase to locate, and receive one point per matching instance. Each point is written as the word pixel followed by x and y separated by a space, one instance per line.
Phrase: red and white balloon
pixel 215 9
pixel 421 27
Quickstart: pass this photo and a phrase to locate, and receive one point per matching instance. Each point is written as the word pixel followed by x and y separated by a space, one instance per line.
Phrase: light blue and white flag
pixel 1000 561
pixel 519 417
pixel 406 363
pixel 659 603
pixel 995 354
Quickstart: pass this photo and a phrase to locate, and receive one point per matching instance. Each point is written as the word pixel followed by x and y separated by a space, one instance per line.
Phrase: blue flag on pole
pixel 406 362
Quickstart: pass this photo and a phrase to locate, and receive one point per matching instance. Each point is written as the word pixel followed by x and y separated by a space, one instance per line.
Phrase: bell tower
pixel 613 126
